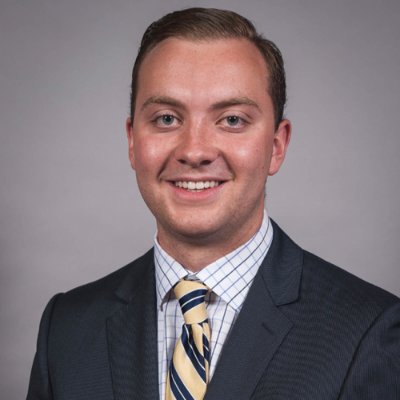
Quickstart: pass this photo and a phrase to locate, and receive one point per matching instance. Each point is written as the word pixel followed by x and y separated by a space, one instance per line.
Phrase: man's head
pixel 205 134
pixel 204 24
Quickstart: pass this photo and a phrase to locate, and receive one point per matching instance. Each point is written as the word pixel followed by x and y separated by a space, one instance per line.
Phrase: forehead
pixel 203 67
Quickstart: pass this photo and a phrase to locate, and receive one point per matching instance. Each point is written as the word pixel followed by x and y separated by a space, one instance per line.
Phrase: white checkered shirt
pixel 229 279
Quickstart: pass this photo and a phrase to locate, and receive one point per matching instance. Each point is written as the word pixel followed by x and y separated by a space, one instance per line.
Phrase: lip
pixel 196 178
pixel 191 195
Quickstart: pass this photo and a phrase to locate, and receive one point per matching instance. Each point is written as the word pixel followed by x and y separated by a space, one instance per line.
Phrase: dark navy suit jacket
pixel 308 331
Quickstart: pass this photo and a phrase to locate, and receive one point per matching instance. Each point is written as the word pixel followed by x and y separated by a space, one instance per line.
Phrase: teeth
pixel 191 185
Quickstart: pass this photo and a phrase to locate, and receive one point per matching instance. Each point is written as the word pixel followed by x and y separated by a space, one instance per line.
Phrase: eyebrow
pixel 165 100
pixel 170 101
pixel 234 101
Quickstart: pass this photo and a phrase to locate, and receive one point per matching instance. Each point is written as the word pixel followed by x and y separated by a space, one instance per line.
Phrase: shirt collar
pixel 229 277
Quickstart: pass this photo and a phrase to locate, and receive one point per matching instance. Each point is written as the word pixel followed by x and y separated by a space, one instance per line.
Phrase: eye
pixel 233 120
pixel 234 123
pixel 166 120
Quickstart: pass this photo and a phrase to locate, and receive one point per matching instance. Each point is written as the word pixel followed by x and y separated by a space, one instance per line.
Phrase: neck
pixel 195 254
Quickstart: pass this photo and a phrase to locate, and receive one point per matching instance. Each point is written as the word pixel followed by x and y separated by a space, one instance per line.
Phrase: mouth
pixel 197 186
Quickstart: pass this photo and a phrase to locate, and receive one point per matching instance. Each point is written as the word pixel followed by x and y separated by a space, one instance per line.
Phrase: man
pixel 206 130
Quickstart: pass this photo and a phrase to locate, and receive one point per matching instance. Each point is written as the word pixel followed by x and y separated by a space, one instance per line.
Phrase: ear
pixel 279 146
pixel 131 145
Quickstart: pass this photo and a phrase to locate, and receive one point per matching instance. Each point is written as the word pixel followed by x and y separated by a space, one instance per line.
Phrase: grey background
pixel 70 211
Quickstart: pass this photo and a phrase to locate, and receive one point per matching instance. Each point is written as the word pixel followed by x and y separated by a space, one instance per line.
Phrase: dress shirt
pixel 229 279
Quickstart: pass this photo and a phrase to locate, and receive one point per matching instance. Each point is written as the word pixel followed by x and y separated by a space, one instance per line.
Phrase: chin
pixel 197 231
pixel 193 230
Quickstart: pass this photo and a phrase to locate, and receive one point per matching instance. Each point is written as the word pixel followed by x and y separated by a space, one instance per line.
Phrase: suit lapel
pixel 261 327
pixel 257 334
pixel 132 335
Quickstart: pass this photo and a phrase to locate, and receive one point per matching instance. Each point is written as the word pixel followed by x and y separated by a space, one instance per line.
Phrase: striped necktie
pixel 189 369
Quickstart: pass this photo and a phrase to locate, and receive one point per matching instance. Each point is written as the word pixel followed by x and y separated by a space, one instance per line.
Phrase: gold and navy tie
pixel 189 370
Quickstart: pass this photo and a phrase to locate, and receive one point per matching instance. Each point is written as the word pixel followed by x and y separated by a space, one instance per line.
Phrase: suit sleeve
pixel 375 371
pixel 40 385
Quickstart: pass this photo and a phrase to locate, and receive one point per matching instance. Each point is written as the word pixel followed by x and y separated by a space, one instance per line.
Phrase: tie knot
pixel 191 295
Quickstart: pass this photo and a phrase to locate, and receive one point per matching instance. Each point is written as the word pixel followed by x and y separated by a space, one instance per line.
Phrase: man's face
pixel 203 141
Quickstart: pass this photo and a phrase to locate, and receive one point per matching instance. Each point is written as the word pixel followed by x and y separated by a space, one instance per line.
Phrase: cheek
pixel 253 156
pixel 149 155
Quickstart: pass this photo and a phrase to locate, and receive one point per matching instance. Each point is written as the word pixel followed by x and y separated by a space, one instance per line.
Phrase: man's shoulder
pixel 336 287
pixel 319 282
pixel 105 292
pixel 322 279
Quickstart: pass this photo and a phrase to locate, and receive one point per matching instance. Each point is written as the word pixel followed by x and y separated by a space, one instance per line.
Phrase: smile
pixel 196 186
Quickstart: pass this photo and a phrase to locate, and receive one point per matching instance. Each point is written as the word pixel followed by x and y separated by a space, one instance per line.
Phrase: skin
pixel 203 113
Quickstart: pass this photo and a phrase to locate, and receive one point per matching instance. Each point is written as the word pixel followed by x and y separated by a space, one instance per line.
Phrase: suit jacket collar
pixel 132 335
pixel 282 268
pixel 261 326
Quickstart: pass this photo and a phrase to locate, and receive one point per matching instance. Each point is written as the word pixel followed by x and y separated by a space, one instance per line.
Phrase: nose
pixel 196 148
